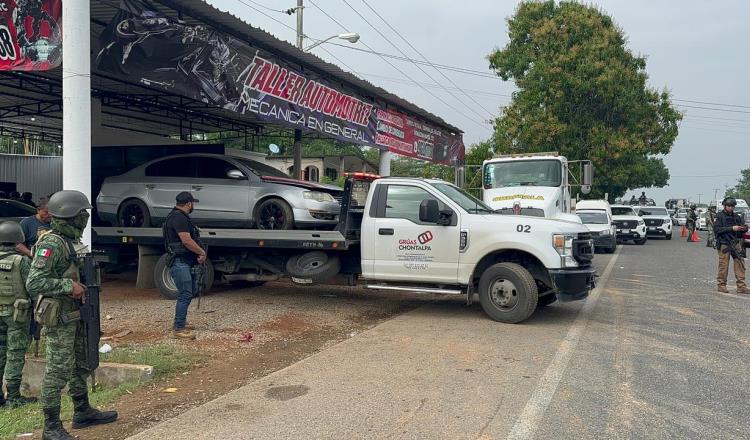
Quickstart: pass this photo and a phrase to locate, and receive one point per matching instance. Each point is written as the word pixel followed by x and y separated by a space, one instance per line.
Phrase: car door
pixel 223 200
pixel 164 180
pixel 408 249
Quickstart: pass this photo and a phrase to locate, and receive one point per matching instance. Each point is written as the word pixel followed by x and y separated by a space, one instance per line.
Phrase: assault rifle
pixel 35 330
pixel 90 313
pixel 199 270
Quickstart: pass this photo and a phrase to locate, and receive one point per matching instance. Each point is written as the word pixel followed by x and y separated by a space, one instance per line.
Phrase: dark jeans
pixel 184 281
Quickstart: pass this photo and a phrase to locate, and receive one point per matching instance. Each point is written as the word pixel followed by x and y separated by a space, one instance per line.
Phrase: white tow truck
pixel 400 234
pixel 534 184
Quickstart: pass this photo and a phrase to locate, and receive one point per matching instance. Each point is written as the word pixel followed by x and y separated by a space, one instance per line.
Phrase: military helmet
pixel 11 232
pixel 692 206
pixel 729 201
pixel 67 203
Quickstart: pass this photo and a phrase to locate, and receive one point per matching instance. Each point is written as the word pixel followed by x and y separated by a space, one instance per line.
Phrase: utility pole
pixel 76 98
pixel 716 190
pixel 699 198
pixel 297 149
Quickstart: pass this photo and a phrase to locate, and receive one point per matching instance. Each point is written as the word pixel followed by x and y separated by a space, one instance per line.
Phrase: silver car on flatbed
pixel 233 192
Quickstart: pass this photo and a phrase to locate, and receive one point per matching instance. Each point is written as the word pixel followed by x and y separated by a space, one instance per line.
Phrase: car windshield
pixel 622 211
pixel 681 213
pixel 465 200
pixel 261 169
pixel 523 173
pixel 593 217
pixel 653 211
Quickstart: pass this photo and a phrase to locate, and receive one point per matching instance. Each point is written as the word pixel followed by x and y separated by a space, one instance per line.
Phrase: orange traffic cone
pixel 695 236
pixel 684 231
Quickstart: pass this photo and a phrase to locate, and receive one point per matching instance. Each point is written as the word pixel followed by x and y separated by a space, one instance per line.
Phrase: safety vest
pixel 12 285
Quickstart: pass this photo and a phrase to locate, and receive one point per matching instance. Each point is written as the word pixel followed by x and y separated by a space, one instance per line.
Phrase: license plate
pixel 652 228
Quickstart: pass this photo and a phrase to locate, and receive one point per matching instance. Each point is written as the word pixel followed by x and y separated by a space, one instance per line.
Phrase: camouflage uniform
pixel 710 219
pixel 15 337
pixel 53 277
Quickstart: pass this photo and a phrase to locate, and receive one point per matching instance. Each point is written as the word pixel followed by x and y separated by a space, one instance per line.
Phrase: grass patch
pixel 166 359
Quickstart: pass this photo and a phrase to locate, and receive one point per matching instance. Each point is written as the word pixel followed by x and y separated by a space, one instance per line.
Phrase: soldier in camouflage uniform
pixel 54 277
pixel 710 220
pixel 15 312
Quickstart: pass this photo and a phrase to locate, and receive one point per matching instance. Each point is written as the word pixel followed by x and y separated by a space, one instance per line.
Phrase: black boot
pixel 2 398
pixel 15 399
pixel 53 427
pixel 84 415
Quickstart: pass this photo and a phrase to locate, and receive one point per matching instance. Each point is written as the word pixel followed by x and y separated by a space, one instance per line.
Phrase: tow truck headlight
pixel 563 244
pixel 318 196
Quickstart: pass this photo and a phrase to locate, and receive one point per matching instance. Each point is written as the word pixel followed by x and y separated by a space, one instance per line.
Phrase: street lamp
pixel 351 37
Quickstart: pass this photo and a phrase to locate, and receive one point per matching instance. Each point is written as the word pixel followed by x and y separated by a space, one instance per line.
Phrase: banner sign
pixel 407 136
pixel 30 34
pixel 204 64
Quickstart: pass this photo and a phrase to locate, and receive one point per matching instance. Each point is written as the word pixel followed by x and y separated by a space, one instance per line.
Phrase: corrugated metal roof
pixel 207 13
pixel 39 175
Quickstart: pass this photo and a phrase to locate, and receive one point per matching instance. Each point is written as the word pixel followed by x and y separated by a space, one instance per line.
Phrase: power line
pixel 711 103
pixel 404 54
pixel 402 72
pixel 289 11
pixel 714 109
pixel 424 57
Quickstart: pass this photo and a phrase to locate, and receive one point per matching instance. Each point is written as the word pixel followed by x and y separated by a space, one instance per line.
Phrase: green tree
pixel 742 189
pixel 583 93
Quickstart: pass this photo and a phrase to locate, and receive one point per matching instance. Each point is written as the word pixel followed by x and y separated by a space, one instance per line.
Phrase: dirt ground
pixel 248 333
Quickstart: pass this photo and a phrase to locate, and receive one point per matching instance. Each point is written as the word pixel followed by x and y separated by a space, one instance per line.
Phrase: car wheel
pixel 669 237
pixel 133 214
pixel 508 293
pixel 274 214
pixel 641 241
pixel 165 283
pixel 314 267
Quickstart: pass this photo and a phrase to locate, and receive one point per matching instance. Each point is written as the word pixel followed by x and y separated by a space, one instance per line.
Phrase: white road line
pixel 531 416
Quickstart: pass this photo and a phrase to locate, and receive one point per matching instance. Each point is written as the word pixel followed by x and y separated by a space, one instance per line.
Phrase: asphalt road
pixel 655 352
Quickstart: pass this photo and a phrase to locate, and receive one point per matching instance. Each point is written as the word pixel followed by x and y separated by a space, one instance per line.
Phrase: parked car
pixel 628 224
pixel 603 232
pixel 658 222
pixel 701 223
pixel 14 210
pixel 232 192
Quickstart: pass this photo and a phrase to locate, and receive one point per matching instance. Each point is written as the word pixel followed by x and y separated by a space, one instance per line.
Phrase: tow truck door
pixel 403 248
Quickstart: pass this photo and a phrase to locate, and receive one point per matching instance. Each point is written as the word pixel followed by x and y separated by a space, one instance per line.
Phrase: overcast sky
pixel 696 49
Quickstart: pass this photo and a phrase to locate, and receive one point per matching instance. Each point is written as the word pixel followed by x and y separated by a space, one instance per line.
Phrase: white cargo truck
pixel 534 184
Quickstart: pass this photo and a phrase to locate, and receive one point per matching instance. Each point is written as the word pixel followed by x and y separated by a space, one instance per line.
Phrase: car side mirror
pixel 236 175
pixel 429 211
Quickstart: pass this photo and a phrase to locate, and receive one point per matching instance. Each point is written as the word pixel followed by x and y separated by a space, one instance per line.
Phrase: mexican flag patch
pixel 44 252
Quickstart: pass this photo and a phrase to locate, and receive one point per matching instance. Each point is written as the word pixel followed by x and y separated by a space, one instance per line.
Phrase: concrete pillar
pixel 385 163
pixel 76 79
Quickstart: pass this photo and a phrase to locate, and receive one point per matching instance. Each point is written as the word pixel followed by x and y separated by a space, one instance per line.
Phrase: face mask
pixel 81 220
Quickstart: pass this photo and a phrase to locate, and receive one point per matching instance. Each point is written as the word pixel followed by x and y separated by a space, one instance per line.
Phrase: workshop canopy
pixel 194 69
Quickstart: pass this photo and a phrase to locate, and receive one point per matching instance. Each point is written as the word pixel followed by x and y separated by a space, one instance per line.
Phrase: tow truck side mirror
pixel 429 211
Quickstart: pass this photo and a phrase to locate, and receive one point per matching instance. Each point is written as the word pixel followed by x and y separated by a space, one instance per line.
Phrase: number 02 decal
pixel 523 228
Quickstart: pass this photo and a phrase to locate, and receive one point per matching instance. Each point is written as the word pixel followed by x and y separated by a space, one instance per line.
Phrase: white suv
pixel 658 222
pixel 629 225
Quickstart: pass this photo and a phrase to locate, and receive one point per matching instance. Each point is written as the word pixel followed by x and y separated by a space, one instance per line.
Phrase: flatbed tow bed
pixel 231 238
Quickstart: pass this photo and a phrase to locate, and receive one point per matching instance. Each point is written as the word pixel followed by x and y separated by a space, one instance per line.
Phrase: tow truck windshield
pixel 465 200
pixel 522 173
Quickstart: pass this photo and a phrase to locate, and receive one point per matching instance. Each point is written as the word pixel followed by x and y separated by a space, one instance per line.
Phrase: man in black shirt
pixel 729 229
pixel 182 241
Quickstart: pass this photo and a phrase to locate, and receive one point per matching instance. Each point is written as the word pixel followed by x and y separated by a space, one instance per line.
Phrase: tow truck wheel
pixel 165 283
pixel 642 241
pixel 508 293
